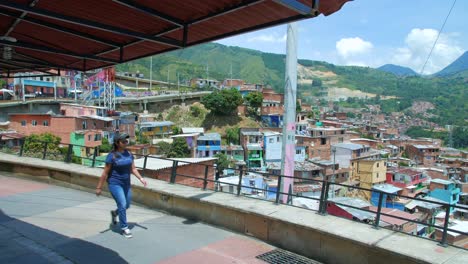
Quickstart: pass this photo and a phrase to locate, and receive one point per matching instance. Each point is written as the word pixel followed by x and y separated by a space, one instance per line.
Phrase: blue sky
pixel 373 33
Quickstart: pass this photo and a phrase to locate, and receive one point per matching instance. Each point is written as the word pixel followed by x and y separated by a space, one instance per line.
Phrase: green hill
pixel 215 61
pixel 459 65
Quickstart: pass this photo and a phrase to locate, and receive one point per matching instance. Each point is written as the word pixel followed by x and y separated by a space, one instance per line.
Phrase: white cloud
pixel 418 44
pixel 272 38
pixel 351 47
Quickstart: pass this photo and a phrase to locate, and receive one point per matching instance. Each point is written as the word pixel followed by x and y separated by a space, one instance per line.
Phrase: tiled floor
pixel 41 223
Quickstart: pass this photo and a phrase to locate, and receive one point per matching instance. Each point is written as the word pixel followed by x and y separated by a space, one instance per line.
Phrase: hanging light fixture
pixel 7 50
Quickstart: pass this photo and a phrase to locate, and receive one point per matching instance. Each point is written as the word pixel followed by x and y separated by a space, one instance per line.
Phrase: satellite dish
pixel 6 38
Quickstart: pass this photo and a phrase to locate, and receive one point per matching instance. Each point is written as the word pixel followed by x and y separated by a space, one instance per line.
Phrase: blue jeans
pixel 122 196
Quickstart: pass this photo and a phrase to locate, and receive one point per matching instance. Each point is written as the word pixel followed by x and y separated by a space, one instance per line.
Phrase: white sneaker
pixel 127 233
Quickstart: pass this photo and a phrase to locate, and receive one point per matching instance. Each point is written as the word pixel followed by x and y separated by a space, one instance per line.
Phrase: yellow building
pixel 368 173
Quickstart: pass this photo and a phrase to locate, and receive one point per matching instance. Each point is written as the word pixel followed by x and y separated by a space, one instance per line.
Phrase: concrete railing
pixel 325 238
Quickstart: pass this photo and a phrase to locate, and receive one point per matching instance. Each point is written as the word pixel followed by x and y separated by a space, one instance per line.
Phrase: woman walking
pixel 119 166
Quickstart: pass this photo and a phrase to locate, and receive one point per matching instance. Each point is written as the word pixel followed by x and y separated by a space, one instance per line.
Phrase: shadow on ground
pixel 26 243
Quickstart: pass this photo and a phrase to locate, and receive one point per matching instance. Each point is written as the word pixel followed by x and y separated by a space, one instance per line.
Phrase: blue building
pixel 389 193
pixel 208 145
pixel 446 191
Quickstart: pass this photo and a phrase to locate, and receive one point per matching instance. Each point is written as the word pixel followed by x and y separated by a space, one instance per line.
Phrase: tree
pixel 316 82
pixel 35 144
pixel 179 149
pixel 163 148
pixel 105 146
pixel 222 162
pixel 460 137
pixel 232 135
pixel 254 99
pixel 176 130
pixel 298 107
pixel 223 102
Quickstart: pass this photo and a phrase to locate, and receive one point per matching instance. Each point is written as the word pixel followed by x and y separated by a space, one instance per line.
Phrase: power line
pixel 438 35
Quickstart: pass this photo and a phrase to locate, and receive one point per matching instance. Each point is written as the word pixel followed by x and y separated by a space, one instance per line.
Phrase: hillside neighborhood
pixel 370 152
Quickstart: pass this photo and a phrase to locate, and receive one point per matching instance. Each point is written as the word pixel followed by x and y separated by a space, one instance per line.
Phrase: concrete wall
pixel 325 238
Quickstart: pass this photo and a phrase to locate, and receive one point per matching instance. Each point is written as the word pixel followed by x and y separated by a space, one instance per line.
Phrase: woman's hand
pixel 142 180
pixel 98 191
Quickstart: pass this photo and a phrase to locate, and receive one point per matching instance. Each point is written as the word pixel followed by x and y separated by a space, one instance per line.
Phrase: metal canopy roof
pixel 36 35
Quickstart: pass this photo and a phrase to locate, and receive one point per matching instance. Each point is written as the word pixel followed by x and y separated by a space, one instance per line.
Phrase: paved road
pixel 41 223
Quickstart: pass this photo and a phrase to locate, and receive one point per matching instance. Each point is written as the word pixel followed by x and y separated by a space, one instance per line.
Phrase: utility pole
pixel 289 122
pixel 151 73
pixel 333 176
pixel 168 77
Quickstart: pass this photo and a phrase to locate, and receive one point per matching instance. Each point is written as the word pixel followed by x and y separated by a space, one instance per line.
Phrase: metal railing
pixel 173 172
pixel 56 151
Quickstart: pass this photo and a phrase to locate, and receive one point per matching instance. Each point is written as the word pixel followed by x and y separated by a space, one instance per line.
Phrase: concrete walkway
pixel 42 223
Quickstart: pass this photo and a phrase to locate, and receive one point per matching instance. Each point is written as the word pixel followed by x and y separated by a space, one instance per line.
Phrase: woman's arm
pixel 103 178
pixel 137 174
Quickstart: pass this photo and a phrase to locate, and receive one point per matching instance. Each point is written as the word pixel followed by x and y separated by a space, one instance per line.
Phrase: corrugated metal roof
pixel 441 181
pixel 189 130
pixel 252 133
pixel 154 163
pixel 89 34
pixel 350 146
pixel 156 124
pixel 386 188
pixel 210 136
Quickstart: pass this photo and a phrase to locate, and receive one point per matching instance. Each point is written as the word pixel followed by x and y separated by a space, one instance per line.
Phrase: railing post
pixel 290 194
pixel 23 141
pixel 379 210
pixel 44 153
pixel 443 241
pixel 325 198
pixel 240 181
pixel 94 157
pixel 144 162
pixel 278 189
pixel 174 171
pixel 68 158
pixel 322 198
pixel 205 180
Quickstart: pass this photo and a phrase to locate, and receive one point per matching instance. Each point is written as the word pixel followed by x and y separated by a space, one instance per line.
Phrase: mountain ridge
pixel 397 70
pixel 457 66
pixel 217 61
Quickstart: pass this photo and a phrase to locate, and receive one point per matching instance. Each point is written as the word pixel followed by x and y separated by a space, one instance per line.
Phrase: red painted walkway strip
pixel 231 250
pixel 12 186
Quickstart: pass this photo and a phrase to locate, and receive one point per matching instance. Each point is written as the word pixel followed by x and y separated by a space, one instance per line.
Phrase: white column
pixel 22 87
pixel 289 127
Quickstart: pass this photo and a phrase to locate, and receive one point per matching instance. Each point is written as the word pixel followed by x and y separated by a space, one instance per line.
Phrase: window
pixel 270 140
pixel 34 123
pixel 378 164
pixel 377 175
pixel 298 151
pixel 45 123
pixel 97 137
pixel 84 124
pixel 23 123
pixel 323 141
pixel 89 137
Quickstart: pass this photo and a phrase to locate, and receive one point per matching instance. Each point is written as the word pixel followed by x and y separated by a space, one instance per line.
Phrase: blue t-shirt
pixel 121 167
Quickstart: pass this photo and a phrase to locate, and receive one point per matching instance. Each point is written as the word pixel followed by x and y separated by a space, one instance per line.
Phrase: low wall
pixel 324 238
